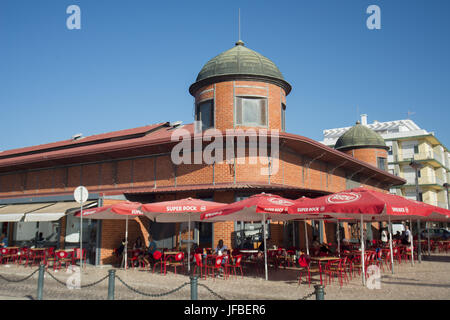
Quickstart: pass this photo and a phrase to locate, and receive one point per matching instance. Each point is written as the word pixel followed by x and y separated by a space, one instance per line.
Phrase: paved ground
pixel 427 281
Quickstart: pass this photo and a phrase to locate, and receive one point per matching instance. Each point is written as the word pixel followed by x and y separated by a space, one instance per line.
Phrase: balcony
pixel 425 180
pixel 435 157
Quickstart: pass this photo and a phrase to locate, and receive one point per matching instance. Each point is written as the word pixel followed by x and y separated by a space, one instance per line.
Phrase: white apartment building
pixel 407 142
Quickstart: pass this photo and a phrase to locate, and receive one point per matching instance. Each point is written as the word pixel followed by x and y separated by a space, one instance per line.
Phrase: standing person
pixel 408 235
pixel 4 241
pixel 384 236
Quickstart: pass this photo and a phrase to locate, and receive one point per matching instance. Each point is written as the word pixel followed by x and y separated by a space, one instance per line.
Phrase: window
pixel 283 117
pixel 381 163
pixel 251 111
pixel 390 151
pixel 205 114
pixel 416 149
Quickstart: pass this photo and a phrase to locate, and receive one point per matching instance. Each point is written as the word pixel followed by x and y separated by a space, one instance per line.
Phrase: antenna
pixel 239 28
pixel 410 113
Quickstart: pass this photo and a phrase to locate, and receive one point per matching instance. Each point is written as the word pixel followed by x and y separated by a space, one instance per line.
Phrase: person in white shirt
pixel 408 234
pixel 384 236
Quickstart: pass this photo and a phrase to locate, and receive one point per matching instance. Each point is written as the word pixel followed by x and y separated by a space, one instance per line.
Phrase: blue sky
pixel 132 62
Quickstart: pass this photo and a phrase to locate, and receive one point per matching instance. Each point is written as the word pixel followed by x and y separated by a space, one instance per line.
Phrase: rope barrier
pixel 308 296
pixel 150 294
pixel 26 278
pixel 212 292
pixel 81 286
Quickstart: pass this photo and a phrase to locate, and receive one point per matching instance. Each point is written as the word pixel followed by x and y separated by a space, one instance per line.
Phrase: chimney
pixel 364 119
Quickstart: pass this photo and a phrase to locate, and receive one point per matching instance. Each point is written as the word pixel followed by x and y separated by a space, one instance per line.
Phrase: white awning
pixel 55 211
pixel 15 212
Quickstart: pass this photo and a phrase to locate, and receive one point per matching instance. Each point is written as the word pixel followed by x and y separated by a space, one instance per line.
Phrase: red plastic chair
pixel 157 257
pixel 174 261
pixel 336 268
pixel 216 266
pixel 62 257
pixel 24 255
pixel 304 262
pixel 236 265
pixel 80 257
pixel 4 255
pixel 37 256
pixel 199 264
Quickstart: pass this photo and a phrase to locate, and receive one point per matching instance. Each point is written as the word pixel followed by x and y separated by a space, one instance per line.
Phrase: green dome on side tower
pixel 239 63
pixel 360 136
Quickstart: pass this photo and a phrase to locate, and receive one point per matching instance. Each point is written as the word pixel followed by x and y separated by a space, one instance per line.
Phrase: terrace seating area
pixel 325 268
pixel 50 257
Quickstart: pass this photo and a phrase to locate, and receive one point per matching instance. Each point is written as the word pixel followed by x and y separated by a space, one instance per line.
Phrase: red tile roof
pixel 156 139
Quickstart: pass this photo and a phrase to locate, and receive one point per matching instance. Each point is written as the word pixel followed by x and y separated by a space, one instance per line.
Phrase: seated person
pixel 220 248
pixel 121 247
pixel 269 243
pixel 137 244
pixel 4 241
pixel 150 251
pixel 315 246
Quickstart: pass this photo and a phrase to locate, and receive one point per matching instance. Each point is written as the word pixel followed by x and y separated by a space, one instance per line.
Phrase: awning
pixel 15 212
pixel 55 211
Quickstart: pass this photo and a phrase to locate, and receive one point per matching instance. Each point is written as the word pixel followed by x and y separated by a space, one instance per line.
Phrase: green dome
pixel 360 136
pixel 239 63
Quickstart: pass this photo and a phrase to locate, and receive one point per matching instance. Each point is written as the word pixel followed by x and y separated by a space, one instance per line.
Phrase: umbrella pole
pixel 419 244
pixel 126 243
pixel 338 238
pixel 81 240
pixel 362 252
pixel 189 244
pixel 265 245
pixel 390 246
pixel 428 237
pixel 306 239
pixel 411 239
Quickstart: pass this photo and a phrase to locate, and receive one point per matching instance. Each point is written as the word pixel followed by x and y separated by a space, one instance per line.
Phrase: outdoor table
pixel 319 261
pixel 247 253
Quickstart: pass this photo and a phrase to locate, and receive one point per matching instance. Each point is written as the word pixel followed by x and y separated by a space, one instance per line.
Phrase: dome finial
pixel 240 43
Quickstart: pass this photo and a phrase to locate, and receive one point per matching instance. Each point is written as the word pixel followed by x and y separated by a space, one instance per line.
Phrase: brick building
pixel 239 94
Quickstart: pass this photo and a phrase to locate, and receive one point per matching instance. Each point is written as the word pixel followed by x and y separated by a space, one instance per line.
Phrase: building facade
pixel 408 142
pixel 240 97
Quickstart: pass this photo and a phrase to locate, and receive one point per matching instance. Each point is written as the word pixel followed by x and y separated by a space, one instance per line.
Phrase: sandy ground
pixel 429 280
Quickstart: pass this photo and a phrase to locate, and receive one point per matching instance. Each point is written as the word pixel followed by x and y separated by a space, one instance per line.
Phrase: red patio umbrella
pixel 183 210
pixel 369 205
pixel 258 207
pixel 120 210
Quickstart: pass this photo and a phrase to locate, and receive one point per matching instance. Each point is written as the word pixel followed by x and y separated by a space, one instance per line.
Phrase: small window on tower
pixel 205 114
pixel 251 111
pixel 283 117
pixel 381 163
